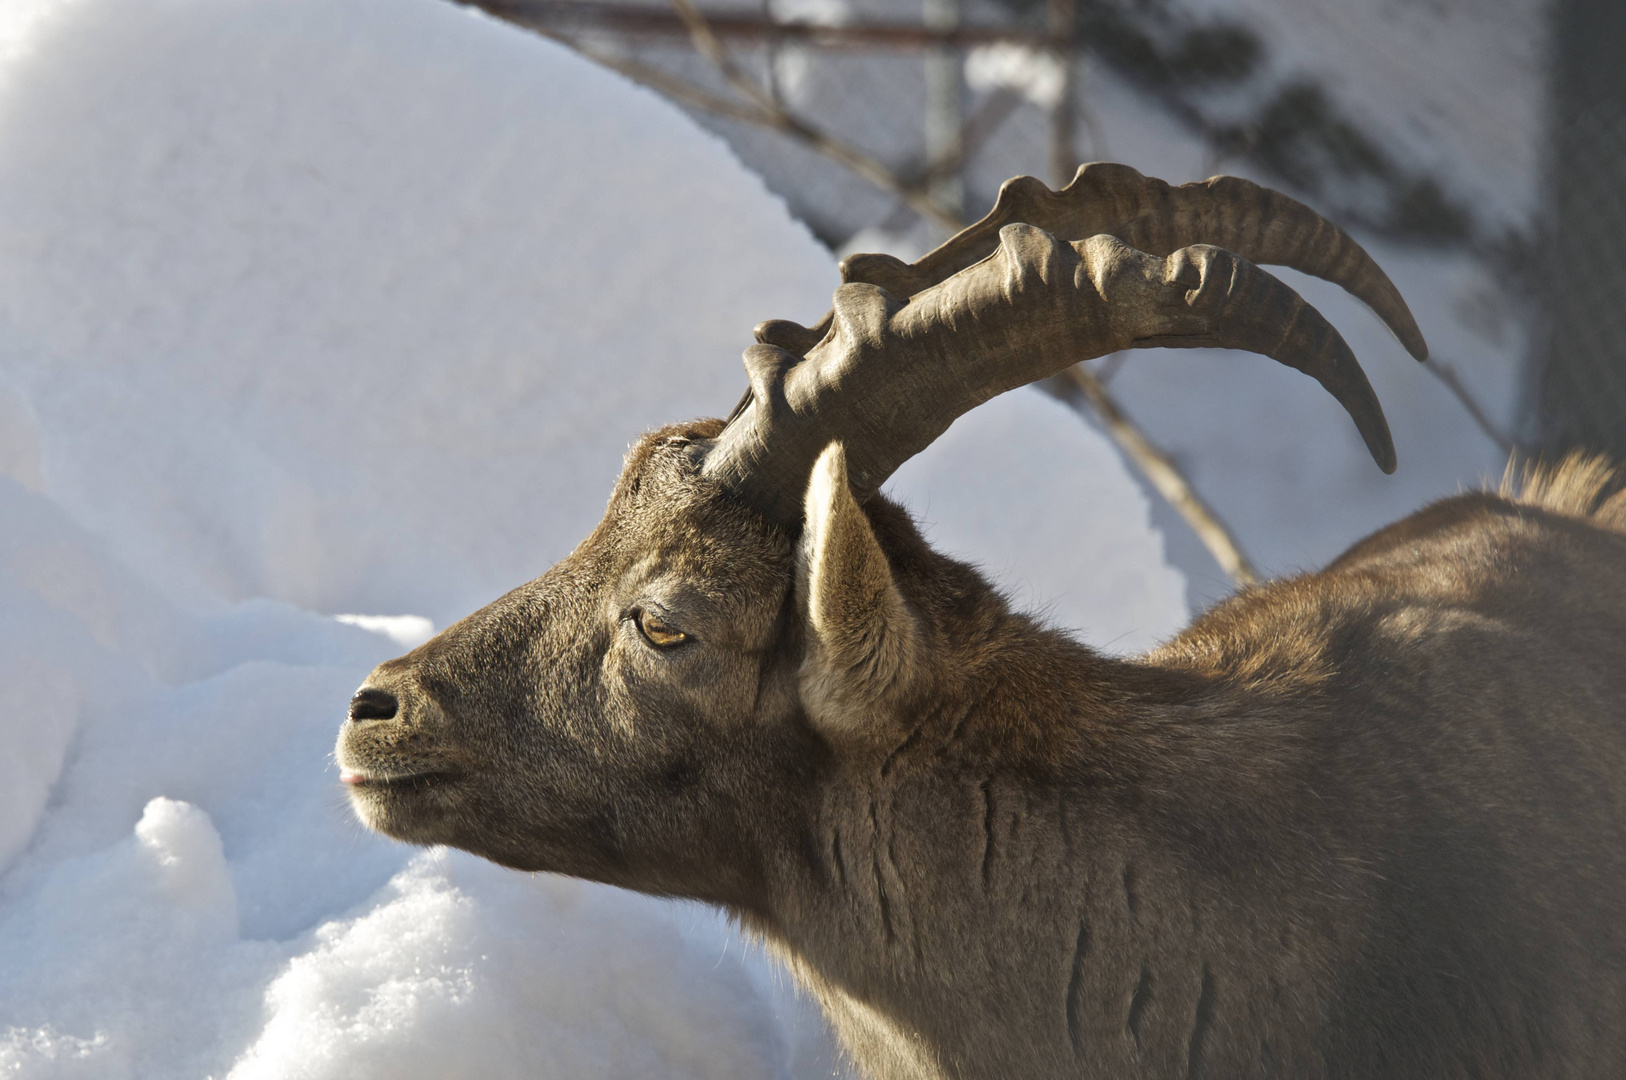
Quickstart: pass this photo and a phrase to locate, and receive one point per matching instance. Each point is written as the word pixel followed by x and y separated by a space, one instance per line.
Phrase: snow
pixel 323 322
pixel 407 631
pixel 1037 76
pixel 1455 87
pixel 1032 495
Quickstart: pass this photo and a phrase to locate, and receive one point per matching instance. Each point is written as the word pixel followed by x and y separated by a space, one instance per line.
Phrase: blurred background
pixel 1480 141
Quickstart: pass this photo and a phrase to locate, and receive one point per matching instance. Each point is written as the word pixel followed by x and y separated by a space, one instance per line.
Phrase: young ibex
pixel 1362 823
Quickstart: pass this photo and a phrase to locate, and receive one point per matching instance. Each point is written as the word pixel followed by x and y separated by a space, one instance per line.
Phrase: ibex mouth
pixel 358 779
pixel 408 804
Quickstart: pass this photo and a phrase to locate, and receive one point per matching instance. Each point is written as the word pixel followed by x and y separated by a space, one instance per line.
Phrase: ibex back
pixel 1361 823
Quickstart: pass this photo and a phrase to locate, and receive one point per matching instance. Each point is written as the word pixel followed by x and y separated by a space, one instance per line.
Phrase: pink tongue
pixel 348 777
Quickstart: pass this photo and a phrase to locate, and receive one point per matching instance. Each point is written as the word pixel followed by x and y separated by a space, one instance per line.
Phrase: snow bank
pixel 321 323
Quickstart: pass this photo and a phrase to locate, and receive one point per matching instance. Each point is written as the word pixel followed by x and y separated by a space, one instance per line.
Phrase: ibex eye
pixel 658 631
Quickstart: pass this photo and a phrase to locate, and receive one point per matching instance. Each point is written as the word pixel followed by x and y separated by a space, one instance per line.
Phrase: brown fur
pixel 1368 822
pixel 1579 486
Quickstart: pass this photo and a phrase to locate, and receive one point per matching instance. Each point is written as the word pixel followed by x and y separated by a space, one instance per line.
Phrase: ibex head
pixel 658 709
pixel 604 719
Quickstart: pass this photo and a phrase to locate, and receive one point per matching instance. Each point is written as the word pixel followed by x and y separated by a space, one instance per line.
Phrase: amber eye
pixel 658 631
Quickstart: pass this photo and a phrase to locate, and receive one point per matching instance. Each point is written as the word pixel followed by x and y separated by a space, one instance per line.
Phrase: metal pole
pixel 943 114
pixel 1060 16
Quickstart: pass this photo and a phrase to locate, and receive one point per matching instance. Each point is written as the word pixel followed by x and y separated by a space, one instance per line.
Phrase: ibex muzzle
pixel 1366 822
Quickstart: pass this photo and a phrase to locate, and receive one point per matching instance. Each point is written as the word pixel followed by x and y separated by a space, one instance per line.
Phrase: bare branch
pixel 1447 374
pixel 776 116
pixel 978 128
pixel 679 90
pixel 708 45
pixel 1078 386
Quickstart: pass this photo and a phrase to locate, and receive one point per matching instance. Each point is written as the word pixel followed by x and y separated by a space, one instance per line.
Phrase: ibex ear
pixel 863 642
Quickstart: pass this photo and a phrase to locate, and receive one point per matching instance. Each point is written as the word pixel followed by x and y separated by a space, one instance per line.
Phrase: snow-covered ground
pixel 318 309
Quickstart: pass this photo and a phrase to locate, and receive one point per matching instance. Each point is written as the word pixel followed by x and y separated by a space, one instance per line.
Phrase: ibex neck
pixel 1008 851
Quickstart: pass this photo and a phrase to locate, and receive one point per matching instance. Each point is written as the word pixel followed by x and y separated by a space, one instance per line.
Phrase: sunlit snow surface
pixel 352 307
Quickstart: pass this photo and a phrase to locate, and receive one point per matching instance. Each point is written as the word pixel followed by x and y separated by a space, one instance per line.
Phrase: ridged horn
pixel 1263 226
pixel 891 371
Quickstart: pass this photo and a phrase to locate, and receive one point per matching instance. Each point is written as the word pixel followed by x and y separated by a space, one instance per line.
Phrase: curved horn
pixel 1261 225
pixel 892 374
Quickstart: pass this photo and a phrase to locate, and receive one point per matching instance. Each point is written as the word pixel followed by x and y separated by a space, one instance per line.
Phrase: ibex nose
pixel 371 703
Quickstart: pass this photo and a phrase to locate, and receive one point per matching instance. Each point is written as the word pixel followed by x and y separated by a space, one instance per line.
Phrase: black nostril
pixel 371 703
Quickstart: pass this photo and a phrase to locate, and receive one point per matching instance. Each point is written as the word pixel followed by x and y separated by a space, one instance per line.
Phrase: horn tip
pixel 1373 426
pixel 1382 449
pixel 1397 316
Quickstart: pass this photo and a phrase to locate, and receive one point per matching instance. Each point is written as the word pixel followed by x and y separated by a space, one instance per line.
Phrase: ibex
pixel 1367 822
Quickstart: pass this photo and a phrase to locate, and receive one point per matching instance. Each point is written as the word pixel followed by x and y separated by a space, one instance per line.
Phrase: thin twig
pixel 707 44
pixel 1108 369
pixel 1000 105
pixel 678 89
pixel 1079 386
pixel 1447 374
pixel 978 128
pixel 778 120
pixel 776 116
